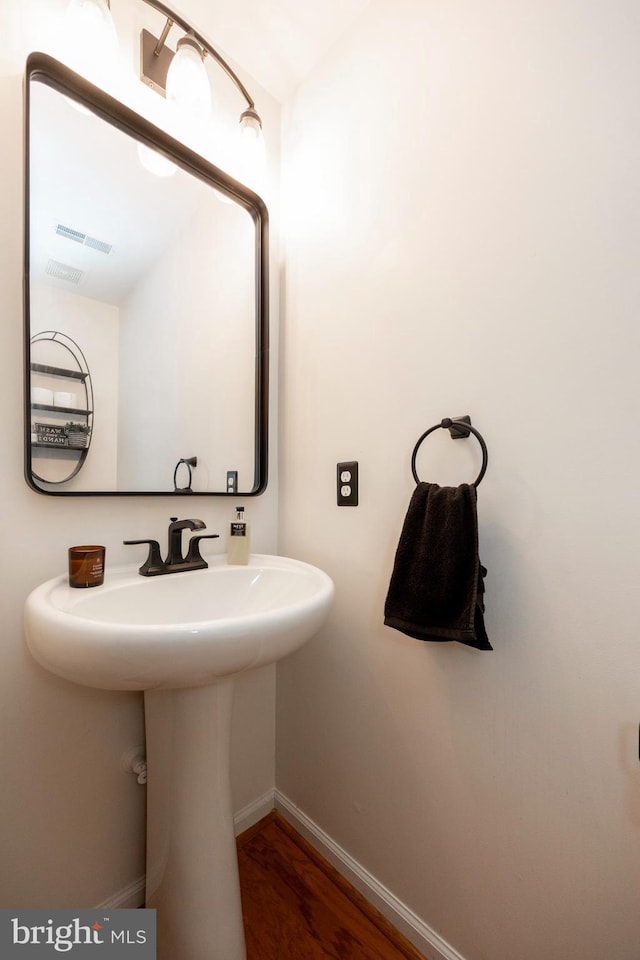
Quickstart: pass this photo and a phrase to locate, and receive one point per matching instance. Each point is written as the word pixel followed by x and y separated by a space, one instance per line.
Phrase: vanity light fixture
pixel 182 77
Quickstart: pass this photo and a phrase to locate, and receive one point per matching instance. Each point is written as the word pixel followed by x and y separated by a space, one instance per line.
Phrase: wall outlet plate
pixel 347 483
pixel 232 481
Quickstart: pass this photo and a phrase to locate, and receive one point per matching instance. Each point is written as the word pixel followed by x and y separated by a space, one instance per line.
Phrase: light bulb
pixel 252 158
pixel 187 80
pixel 91 39
pixel 155 162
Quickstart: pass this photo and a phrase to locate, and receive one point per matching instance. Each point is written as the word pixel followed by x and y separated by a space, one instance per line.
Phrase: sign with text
pixel 53 435
pixel 80 934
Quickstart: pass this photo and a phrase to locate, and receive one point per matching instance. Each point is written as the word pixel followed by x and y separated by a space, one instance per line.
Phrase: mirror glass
pixel 158 280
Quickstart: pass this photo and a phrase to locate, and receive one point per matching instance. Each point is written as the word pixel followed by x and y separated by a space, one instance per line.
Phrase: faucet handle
pixel 193 556
pixel 153 565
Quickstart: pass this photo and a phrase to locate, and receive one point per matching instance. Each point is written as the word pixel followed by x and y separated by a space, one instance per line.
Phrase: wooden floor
pixel 297 907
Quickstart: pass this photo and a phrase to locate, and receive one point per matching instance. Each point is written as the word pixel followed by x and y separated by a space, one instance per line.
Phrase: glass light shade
pixel 91 39
pixel 154 162
pixel 252 157
pixel 187 80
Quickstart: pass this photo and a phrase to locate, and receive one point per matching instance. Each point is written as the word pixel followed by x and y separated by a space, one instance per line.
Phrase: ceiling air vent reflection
pixel 62 271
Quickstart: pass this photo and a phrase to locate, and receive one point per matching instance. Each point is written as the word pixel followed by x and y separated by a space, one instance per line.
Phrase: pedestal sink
pixel 182 639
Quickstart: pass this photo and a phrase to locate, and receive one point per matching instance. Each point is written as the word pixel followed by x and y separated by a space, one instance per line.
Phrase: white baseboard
pixel 426 940
pixel 254 812
pixel 129 898
pixel 133 896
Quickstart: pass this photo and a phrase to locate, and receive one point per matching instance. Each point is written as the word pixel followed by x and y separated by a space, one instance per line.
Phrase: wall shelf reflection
pixel 53 409
pixel 57 452
pixel 51 371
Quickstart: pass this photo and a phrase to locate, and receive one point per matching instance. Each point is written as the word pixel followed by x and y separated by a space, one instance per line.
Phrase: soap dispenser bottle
pixel 238 543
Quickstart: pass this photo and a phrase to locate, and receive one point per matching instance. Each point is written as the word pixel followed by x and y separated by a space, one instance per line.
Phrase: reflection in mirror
pixel 61 408
pixel 160 281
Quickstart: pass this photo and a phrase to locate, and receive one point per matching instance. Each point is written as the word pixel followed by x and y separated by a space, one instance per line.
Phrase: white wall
pixel 71 822
pixel 212 262
pixel 463 233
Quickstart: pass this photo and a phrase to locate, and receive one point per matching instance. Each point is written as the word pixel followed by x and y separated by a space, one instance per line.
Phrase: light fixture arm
pixel 163 37
pixel 174 18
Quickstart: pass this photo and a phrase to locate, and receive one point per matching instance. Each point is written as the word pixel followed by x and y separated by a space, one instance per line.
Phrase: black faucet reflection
pixel 155 566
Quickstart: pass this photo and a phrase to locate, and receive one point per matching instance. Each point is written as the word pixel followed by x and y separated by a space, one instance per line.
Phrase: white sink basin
pixel 178 630
pixel 182 638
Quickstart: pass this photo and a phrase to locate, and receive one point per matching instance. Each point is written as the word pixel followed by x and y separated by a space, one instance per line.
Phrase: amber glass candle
pixel 86 566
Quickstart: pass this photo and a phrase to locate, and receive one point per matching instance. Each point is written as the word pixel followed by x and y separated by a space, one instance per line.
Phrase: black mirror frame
pixel 47 70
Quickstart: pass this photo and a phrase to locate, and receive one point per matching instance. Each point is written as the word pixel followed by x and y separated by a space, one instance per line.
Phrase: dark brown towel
pixel 436 590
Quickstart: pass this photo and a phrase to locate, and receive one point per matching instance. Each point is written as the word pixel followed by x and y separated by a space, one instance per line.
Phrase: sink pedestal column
pixel 192 866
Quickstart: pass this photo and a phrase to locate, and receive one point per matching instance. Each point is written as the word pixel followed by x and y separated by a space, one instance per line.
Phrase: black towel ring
pixel 458 427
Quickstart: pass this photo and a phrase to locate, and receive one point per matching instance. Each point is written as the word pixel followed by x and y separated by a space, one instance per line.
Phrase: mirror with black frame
pixel 153 264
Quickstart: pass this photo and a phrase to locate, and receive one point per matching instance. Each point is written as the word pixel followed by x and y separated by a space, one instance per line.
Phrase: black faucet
pixel 174 552
pixel 155 566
